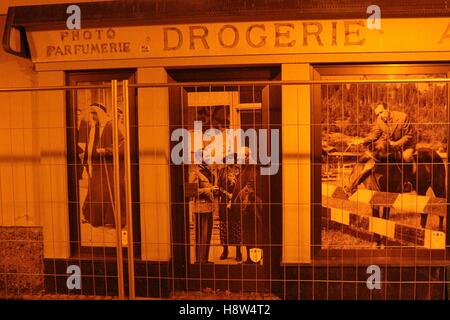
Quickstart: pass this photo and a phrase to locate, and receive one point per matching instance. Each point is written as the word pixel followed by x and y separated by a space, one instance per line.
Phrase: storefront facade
pixel 308 78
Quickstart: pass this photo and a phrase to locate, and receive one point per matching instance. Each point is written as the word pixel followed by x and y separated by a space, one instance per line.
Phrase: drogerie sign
pixel 249 38
pixel 228 36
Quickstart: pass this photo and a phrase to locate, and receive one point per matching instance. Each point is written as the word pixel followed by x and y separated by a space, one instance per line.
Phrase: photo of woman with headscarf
pixel 248 205
pixel 230 220
pixel 98 208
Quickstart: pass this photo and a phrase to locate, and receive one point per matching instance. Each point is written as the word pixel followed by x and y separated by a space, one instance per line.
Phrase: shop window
pixel 383 163
pixel 91 163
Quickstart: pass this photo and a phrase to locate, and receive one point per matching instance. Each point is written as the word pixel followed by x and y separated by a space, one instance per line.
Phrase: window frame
pixel 402 256
pixel 76 247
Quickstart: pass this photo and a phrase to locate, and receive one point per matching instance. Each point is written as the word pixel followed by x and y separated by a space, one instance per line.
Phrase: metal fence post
pixel 117 207
pixel 129 199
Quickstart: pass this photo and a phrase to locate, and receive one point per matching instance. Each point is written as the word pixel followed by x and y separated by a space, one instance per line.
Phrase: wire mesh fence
pixel 200 190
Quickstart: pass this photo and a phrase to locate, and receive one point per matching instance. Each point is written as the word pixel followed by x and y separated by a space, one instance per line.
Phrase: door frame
pixel 232 277
pixel 76 249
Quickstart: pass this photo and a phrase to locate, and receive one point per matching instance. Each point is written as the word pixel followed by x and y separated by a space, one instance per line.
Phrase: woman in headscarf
pixel 230 220
pixel 248 204
pixel 98 208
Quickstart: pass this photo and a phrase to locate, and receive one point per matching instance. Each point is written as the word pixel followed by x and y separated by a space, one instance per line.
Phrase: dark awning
pixel 147 12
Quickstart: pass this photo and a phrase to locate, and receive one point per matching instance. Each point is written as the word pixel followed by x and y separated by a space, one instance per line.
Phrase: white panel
pixel 382 226
pixel 340 215
pixel 411 203
pixel 328 189
pixel 434 239
pixel 230 98
pixel 362 196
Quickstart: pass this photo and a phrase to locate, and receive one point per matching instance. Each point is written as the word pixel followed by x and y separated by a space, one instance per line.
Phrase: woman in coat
pixel 98 208
pixel 230 220
pixel 247 205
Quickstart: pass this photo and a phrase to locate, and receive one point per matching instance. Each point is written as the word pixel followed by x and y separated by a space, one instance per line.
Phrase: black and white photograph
pixel 225 205
pixel 244 151
pixel 384 149
pixel 94 166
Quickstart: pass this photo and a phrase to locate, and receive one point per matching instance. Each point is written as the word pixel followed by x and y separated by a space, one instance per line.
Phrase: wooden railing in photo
pixel 355 213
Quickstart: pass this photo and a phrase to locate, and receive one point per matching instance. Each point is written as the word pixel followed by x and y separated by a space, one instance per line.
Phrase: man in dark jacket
pixel 203 180
pixel 393 126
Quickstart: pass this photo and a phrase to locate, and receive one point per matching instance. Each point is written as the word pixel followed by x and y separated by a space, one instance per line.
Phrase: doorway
pixel 226 215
